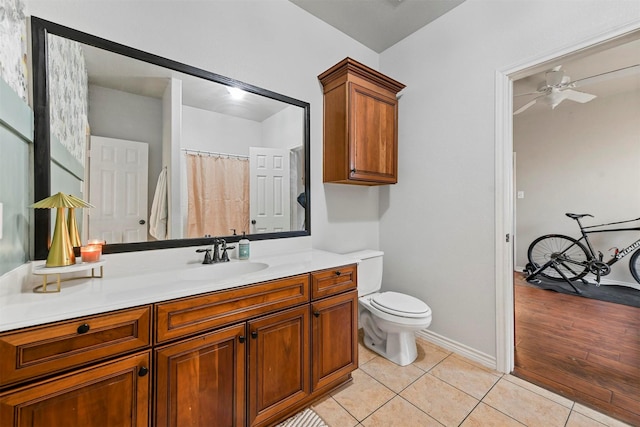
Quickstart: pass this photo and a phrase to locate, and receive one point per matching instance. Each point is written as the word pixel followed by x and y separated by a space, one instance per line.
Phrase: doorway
pixel 504 199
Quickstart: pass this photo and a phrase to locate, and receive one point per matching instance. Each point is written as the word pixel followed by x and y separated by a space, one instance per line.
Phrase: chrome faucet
pixel 215 258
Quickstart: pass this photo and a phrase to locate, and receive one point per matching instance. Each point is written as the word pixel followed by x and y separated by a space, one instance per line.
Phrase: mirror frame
pixel 40 28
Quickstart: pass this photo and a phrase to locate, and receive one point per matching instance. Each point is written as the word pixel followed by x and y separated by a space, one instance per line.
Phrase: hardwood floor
pixel 584 349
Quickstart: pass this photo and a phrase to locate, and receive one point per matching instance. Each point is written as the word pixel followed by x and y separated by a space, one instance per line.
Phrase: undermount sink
pixel 220 271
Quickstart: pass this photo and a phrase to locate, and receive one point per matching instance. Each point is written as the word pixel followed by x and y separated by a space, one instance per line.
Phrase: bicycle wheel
pixel 634 265
pixel 570 255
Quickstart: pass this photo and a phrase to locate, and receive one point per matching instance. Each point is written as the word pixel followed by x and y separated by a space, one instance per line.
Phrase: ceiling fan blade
pixel 538 92
pixel 525 106
pixel 576 96
pixel 615 74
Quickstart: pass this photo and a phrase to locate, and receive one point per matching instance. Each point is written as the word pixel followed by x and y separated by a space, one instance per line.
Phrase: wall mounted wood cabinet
pixel 360 125
pixel 246 356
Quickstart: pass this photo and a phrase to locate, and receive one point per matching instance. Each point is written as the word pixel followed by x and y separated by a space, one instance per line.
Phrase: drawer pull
pixel 338 273
pixel 143 371
pixel 316 313
pixel 84 328
pixel 241 339
pixel 254 334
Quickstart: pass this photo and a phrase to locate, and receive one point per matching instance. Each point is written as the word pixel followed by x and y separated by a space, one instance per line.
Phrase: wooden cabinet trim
pixel 197 314
pixel 39 351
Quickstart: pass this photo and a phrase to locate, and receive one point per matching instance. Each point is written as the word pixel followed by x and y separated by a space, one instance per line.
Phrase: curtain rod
pixel 215 153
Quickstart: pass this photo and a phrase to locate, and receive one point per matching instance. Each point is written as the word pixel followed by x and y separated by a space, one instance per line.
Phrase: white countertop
pixel 140 281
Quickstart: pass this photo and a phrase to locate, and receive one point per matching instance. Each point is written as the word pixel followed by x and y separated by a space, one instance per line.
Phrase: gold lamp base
pixel 61 250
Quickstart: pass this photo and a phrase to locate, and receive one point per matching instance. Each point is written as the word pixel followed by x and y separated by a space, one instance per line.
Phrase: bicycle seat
pixel 576 216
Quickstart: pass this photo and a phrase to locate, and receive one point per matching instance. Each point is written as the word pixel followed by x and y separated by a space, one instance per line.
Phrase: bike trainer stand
pixel 531 278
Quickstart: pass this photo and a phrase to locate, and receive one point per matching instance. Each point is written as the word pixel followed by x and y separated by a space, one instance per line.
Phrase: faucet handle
pixel 207 255
pixel 225 255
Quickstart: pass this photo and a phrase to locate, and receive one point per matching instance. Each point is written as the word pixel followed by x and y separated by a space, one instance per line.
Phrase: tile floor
pixel 442 388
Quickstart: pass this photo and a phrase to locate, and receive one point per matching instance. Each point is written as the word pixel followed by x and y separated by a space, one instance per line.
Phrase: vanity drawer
pixel 200 313
pixel 39 351
pixel 333 281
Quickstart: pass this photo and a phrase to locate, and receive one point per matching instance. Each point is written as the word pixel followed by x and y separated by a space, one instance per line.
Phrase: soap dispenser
pixel 243 247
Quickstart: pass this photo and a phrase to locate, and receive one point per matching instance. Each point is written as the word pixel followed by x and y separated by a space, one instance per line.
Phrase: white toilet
pixel 389 319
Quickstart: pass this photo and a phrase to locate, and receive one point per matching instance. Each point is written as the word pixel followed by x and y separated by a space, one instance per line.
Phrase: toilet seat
pixel 400 305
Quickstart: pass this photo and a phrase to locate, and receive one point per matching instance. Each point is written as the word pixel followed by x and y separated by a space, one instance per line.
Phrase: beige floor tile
pixel 445 403
pixel 363 396
pixel 333 414
pixel 429 355
pixel 539 390
pixel 396 377
pixel 398 412
pixel 598 416
pixel 468 377
pixel 576 419
pixel 486 416
pixel 526 406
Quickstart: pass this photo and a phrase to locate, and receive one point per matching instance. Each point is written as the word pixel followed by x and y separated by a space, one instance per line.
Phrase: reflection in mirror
pixel 165 152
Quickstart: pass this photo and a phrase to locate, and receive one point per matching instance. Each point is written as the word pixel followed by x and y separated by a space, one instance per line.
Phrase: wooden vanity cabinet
pixel 77 390
pixel 360 125
pixel 279 364
pixel 112 394
pixel 246 356
pixel 201 381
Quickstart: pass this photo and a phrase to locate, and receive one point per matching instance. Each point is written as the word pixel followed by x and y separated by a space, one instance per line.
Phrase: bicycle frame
pixel 619 254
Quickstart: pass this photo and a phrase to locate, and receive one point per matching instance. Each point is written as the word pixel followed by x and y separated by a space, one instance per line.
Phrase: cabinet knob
pixel 338 273
pixel 353 170
pixel 316 313
pixel 143 371
pixel 142 222
pixel 241 339
pixel 84 328
pixel 254 334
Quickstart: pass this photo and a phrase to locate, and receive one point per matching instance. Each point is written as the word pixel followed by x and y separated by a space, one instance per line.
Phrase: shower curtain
pixel 218 195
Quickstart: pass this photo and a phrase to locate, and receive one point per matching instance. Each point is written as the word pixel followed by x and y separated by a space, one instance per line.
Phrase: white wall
pixel 209 131
pixel 580 158
pixel 273 44
pixel 437 223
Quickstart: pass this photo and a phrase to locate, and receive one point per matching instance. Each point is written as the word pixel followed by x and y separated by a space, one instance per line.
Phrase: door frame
pixel 504 179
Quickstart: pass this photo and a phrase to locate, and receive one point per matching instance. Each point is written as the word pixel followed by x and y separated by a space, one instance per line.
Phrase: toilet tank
pixel 369 270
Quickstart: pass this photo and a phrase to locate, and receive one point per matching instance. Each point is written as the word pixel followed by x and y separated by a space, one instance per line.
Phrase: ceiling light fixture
pixel 236 92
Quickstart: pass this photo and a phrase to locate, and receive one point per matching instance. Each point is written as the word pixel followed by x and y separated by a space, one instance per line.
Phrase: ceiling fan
pixel 558 87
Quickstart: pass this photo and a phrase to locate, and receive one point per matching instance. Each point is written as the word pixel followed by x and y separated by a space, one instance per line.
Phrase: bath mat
pixel 306 418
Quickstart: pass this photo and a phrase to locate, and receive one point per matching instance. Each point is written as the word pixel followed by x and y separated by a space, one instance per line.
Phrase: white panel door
pixel 118 190
pixel 269 190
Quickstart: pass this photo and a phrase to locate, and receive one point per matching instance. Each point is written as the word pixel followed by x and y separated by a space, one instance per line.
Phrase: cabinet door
pixel 201 381
pixel 113 394
pixel 334 338
pixel 279 364
pixel 373 140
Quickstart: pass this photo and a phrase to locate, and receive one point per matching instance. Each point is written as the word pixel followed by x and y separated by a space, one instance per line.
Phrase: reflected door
pixel 269 185
pixel 118 190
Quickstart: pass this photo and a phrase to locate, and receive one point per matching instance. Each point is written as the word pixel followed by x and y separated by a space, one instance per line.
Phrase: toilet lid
pixel 400 304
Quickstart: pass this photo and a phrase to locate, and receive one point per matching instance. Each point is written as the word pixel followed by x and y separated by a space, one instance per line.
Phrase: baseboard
pixel 604 281
pixel 458 348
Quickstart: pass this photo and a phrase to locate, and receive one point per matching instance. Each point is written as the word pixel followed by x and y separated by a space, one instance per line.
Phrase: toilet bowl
pixel 389 319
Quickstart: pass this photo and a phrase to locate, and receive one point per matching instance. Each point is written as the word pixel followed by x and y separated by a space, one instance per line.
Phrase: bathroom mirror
pixel 168 154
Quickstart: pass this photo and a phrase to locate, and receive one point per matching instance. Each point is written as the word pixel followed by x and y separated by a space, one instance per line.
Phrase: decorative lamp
pixel 72 224
pixel 61 249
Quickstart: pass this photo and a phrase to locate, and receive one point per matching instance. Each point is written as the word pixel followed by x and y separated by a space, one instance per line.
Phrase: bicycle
pixel 562 258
